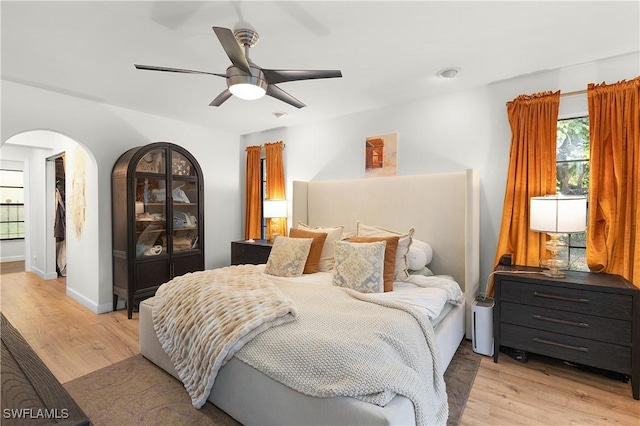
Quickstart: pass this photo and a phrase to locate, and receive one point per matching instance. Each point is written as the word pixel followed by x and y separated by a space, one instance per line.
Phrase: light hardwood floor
pixel 72 341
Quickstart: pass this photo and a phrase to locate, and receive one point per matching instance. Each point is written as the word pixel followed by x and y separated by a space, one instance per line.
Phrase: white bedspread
pixel 339 346
pixel 429 294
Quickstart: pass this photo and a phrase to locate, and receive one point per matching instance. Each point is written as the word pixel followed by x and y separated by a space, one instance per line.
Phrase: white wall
pixel 468 129
pixel 105 132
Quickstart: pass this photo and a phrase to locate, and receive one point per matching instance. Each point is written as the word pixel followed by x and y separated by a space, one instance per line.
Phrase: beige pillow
pixel 404 242
pixel 313 260
pixel 333 235
pixel 288 256
pixel 360 266
pixel 389 256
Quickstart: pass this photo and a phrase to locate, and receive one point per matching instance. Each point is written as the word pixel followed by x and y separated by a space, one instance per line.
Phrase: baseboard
pixel 51 276
pixel 38 272
pixel 105 307
pixel 84 301
pixel 11 259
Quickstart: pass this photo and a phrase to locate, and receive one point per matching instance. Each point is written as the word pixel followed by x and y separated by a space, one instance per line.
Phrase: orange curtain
pixel 613 243
pixel 253 203
pixel 275 185
pixel 532 172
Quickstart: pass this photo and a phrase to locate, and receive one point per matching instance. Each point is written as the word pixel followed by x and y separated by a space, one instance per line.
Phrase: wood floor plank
pixel 73 341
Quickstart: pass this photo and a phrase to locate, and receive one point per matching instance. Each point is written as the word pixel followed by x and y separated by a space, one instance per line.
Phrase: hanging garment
pixel 59 232
pixel 59 227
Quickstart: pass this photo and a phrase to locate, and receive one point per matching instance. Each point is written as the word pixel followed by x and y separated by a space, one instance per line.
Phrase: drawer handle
pixel 562 345
pixel 566 299
pixel 559 321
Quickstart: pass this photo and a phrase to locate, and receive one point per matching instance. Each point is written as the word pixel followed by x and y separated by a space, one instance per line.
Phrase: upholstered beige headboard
pixel 443 208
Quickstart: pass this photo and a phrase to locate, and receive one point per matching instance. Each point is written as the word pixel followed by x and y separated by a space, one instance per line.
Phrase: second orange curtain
pixel 613 240
pixel 276 189
pixel 532 172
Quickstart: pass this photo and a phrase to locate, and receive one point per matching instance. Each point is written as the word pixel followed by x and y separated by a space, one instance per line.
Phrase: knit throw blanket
pixel 203 318
pixel 345 343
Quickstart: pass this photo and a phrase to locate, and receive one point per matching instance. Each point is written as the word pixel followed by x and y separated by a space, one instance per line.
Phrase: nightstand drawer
pixel 619 306
pixel 570 323
pixel 574 349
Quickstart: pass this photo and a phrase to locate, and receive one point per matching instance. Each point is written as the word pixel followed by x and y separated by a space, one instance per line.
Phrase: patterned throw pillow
pixel 288 256
pixel 389 256
pixel 360 266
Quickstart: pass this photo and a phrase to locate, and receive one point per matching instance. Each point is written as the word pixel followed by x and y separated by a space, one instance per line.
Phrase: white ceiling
pixel 388 52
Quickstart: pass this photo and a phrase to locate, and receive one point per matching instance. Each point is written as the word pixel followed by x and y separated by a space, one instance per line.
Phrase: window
pixel 572 177
pixel 11 204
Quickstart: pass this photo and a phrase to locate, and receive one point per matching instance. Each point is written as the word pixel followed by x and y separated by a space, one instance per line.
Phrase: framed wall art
pixel 381 155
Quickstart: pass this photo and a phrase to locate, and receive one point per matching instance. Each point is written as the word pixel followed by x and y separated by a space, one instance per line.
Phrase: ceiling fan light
pixel 247 91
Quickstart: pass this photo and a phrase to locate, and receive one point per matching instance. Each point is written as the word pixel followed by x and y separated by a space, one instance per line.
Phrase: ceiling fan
pixel 245 79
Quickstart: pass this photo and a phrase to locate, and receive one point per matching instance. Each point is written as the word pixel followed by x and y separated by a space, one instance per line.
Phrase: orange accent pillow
pixel 389 256
pixel 313 260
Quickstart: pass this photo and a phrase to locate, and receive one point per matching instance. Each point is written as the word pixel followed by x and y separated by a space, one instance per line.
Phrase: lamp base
pixel 553 273
pixel 554 264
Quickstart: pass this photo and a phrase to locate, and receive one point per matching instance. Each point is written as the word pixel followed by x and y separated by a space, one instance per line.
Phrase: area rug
pixel 459 378
pixel 136 391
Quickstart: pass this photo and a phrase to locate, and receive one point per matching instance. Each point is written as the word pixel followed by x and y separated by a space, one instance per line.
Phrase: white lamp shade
pixel 558 214
pixel 274 208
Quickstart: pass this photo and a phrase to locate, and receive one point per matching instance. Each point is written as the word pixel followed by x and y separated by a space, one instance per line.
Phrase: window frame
pixel 19 208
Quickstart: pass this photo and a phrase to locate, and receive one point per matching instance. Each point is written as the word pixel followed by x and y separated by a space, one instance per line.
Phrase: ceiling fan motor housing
pixel 237 76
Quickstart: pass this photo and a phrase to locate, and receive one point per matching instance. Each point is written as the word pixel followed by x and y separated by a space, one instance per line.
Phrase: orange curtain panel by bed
pixel 613 243
pixel 532 172
pixel 275 185
pixel 253 203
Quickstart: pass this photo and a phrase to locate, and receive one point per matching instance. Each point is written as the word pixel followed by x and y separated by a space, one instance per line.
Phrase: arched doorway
pixel 39 150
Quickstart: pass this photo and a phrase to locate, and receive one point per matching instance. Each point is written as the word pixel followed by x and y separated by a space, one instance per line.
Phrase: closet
pixel 158 220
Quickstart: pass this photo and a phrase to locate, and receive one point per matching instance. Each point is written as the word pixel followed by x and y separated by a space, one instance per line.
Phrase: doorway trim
pixel 50 272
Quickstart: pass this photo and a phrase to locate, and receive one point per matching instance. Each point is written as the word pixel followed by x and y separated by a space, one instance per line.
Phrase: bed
pixel 443 210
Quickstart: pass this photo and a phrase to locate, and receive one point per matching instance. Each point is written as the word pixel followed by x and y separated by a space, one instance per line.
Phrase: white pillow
pixel 426 247
pixel 402 267
pixel 360 266
pixel 288 256
pixel 333 234
pixel 416 258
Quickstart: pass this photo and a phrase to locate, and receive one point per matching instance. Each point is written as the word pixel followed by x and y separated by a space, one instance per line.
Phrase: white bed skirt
pixel 252 398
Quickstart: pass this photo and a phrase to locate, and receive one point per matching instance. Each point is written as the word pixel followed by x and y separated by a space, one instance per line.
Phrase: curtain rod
pixel 576 92
pixel 283 145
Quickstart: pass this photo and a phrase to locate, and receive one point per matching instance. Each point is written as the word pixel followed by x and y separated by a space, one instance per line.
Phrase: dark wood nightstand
pixel 245 252
pixel 585 318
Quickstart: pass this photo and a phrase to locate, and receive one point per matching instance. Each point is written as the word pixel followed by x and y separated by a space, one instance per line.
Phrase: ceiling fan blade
pixel 154 68
pixel 221 98
pixel 276 92
pixel 282 76
pixel 232 48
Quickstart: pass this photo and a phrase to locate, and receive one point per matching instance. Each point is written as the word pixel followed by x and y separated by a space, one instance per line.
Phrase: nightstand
pixel 246 252
pixel 585 318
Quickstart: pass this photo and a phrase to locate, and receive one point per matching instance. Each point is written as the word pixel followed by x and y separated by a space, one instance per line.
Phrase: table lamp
pixel 557 215
pixel 274 210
